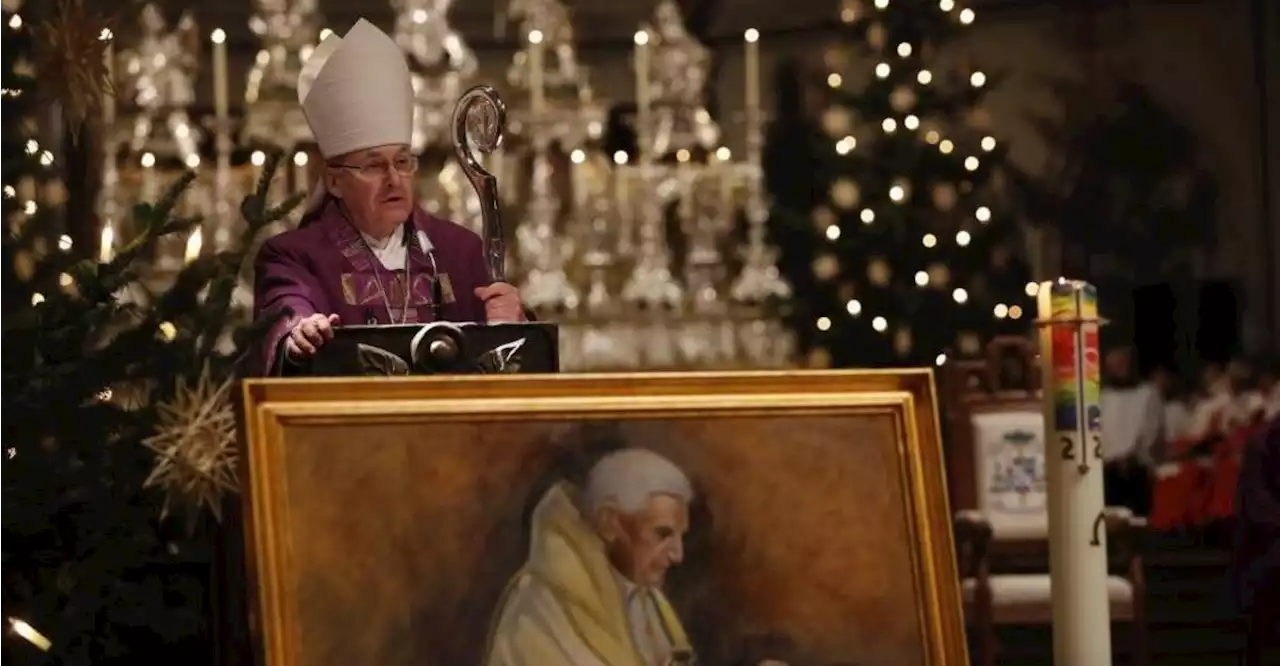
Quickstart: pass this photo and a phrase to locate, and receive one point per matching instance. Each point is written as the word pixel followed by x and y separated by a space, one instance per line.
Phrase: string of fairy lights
pixel 25 192
pixel 846 196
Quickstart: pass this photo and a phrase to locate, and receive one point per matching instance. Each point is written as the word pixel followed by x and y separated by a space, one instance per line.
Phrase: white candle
pixel 620 195
pixel 751 61
pixel 578 177
pixel 1071 381
pixel 301 182
pixel 219 39
pixel 109 101
pixel 150 187
pixel 194 242
pixel 497 165
pixel 107 249
pixel 537 88
pixel 642 90
pixel 257 159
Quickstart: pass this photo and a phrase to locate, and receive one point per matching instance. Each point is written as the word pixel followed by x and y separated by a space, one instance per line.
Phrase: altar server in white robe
pixel 1132 414
pixel 1217 410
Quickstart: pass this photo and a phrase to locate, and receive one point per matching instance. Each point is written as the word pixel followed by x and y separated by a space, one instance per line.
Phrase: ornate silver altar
pixel 593 237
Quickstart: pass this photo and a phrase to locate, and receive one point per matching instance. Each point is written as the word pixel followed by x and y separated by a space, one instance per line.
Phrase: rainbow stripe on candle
pixel 1073 350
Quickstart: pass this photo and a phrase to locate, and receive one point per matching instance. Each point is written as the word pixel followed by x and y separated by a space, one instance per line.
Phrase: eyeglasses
pixel 405 165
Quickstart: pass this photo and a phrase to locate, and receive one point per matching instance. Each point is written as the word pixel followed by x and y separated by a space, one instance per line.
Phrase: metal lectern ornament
pixel 479 119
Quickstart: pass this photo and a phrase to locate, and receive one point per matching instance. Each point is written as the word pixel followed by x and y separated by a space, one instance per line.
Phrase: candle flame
pixel 194 243
pixel 107 249
pixel 28 632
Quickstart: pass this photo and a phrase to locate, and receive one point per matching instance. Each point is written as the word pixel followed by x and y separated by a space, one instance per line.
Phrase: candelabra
pixel 596 235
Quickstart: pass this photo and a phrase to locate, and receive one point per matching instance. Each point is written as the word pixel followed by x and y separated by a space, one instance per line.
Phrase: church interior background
pixel 689 185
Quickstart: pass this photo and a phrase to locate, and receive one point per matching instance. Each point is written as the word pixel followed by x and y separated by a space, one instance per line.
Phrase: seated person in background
pixel 364 252
pixel 1177 409
pixel 1132 413
pixel 1216 410
pixel 1261 400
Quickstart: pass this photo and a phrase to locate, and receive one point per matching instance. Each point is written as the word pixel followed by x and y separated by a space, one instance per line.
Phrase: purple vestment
pixel 325 267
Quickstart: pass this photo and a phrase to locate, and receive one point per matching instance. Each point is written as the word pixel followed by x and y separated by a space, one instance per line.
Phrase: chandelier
pixel 656 260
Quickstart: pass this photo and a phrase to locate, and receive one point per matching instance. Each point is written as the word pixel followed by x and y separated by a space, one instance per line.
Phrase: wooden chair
pixel 995 458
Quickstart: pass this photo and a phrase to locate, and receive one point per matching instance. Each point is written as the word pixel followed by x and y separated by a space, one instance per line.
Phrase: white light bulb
pixel 978 79
pixel 834 80
pixel 946 5
pixel 258 158
pixel 823 324
pixel 751 35
pixel 959 295
pixel 193 161
pixel 897 194
pixel 300 158
pixel 983 214
pixel 881 4
pixel 963 238
pixel 924 77
pixel 641 37
pixel 833 232
pixel 535 37
pixel 922 278
pixel 941 360
pixel 966 16
pixel 911 122
pixel 1032 289
pixel 883 70
pixel 620 157
pixel 1000 311
pixel 904 50
pixel 971 163
pixel 945 147
pixel 988 143
pixel 853 307
pixel 929 240
pixel 218 36
pixel 64 242
pixel 578 156
pixel 880 324
pixel 889 125
pixel 867 216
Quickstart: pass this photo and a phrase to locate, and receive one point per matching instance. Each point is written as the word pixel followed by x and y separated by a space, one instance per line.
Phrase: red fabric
pixel 1176 499
pixel 1204 489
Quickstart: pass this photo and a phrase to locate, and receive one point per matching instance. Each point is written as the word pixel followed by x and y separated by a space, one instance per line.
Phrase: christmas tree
pixel 903 248
pixel 116 408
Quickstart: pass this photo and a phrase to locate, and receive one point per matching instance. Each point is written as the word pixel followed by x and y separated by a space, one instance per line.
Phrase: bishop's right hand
pixel 309 334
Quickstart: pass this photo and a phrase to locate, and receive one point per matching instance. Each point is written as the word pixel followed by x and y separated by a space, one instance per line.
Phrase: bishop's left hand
pixel 502 303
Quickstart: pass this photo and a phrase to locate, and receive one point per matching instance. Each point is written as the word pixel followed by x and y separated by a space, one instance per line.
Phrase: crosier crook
pixel 482 110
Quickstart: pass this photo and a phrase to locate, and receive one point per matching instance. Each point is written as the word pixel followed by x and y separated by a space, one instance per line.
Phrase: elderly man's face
pixel 642 546
pixel 375 185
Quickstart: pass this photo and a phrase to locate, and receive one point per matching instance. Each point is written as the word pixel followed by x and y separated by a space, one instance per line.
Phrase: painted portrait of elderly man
pixel 590 592
pixel 717 541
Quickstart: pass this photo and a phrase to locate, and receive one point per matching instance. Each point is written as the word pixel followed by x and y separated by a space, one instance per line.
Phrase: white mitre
pixel 356 93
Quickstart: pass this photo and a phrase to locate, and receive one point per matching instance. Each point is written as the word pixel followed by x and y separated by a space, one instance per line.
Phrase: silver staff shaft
pixel 479 119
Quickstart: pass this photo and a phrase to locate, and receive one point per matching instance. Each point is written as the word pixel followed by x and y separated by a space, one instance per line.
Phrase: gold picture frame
pixel 290 426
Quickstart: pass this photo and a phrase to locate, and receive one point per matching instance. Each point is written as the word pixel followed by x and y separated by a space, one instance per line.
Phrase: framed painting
pixel 601 520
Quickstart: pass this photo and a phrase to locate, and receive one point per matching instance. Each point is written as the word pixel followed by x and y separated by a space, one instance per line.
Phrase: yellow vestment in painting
pixel 564 607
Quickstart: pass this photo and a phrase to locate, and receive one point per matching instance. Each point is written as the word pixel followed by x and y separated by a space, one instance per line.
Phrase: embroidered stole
pixel 360 285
